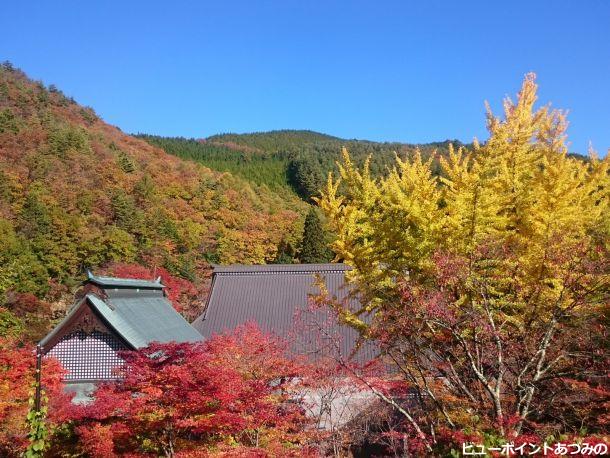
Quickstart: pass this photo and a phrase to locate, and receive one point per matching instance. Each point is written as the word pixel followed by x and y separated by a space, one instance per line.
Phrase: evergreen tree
pixel 314 248
pixel 306 176
pixel 286 253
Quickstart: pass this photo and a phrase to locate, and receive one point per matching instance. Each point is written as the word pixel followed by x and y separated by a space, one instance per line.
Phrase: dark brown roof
pixel 280 268
pixel 276 298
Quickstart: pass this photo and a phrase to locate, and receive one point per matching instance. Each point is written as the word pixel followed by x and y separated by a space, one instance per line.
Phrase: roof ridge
pixel 104 280
pixel 259 269
pixel 112 318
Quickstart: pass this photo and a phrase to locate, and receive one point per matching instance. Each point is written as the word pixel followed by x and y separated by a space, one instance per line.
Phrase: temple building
pixel 278 299
pixel 111 315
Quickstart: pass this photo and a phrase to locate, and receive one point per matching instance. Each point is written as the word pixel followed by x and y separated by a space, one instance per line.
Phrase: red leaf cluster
pixel 17 368
pixel 231 391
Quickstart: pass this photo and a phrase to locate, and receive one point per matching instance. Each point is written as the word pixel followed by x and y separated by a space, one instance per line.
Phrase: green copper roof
pixel 113 282
pixel 136 310
pixel 143 320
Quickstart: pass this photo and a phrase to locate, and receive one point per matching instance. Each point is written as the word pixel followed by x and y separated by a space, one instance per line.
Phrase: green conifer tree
pixel 314 248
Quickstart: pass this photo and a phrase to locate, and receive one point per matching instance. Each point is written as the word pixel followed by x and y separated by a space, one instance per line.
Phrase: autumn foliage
pixel 17 365
pixel 483 275
pixel 229 393
pixel 487 287
pixel 77 193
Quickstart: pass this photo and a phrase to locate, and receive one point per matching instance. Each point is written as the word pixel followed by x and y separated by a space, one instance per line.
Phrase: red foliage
pixel 177 397
pixel 97 440
pixel 33 312
pixel 255 354
pixel 17 366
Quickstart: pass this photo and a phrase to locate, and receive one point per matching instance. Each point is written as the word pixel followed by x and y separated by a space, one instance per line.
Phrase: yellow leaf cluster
pixel 519 191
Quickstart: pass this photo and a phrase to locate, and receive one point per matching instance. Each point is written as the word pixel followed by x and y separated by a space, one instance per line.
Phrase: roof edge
pixel 62 323
pixel 280 268
pixel 107 315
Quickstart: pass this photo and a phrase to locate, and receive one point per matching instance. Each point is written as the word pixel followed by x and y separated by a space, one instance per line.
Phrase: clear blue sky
pixel 380 70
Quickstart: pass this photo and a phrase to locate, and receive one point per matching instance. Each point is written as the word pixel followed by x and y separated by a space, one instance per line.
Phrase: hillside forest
pixel 494 255
pixel 78 194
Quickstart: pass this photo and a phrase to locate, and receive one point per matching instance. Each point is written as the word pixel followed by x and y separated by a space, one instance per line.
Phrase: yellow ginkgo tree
pixel 486 286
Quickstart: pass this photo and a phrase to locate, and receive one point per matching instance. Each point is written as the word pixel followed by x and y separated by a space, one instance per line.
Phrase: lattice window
pixel 89 356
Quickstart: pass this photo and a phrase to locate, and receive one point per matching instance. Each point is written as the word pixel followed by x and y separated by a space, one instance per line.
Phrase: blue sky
pixel 379 70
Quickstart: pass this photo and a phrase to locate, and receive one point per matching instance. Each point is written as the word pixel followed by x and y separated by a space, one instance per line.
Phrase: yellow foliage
pixel 519 191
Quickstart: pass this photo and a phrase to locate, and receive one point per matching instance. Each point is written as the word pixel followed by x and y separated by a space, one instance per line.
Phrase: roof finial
pixel 89 275
pixel 158 280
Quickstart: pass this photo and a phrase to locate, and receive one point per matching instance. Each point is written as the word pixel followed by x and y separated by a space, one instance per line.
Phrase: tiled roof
pixel 276 298
pixel 281 268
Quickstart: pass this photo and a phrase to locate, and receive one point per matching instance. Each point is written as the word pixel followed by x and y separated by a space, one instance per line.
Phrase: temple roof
pixel 277 298
pixel 114 282
pixel 136 310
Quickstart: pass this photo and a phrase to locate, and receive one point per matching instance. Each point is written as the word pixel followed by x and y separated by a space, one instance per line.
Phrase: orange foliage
pixel 78 193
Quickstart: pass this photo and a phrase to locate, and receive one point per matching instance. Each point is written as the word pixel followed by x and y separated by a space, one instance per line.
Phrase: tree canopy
pixel 492 278
pixel 314 248
pixel 77 193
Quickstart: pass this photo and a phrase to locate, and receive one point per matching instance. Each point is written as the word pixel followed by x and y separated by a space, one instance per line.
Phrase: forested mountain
pixel 77 193
pixel 298 160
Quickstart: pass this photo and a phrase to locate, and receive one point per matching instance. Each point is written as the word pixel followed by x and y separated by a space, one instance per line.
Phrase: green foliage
pixel 76 193
pixel 88 115
pixel 35 216
pixel 10 325
pixel 125 162
pixel 277 140
pixel 314 248
pixel 20 269
pixel 259 168
pixel 306 176
pixel 144 189
pixel 288 159
pixel 8 122
pixel 118 245
pixel 125 212
pixel 286 253
pixel 65 140
pixel 38 433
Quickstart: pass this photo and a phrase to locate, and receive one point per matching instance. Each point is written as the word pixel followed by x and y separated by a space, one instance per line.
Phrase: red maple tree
pixel 17 367
pixel 231 391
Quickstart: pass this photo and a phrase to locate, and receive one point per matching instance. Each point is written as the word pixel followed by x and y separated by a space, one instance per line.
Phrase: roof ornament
pixel 158 280
pixel 89 275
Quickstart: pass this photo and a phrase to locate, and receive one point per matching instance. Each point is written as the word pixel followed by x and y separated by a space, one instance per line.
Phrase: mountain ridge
pixel 291 160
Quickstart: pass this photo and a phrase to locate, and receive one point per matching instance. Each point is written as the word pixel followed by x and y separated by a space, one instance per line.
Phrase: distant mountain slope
pixel 256 166
pixel 288 159
pixel 277 140
pixel 76 193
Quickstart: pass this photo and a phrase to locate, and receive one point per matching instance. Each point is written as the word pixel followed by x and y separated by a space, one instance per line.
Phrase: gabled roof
pixel 143 319
pixel 276 298
pixel 136 313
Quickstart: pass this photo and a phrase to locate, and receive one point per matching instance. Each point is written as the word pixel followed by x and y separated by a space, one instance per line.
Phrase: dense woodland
pixel 76 193
pixel 290 160
pixel 494 255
